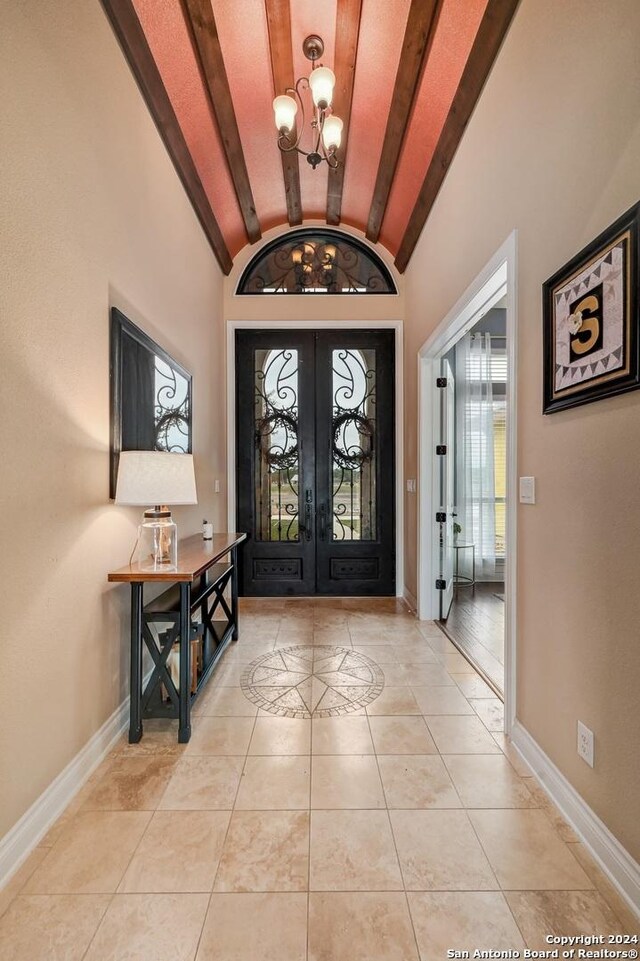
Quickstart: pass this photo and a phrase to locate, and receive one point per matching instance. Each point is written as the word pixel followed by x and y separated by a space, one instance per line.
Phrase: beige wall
pixel 553 150
pixel 92 215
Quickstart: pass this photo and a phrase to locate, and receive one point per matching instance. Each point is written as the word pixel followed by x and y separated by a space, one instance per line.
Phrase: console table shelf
pixel 166 625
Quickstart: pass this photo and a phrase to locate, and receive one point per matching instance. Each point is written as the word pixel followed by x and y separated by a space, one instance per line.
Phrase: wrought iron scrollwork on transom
pixel 312 260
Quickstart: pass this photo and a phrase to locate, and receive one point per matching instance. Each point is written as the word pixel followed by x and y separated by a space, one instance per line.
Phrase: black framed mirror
pixel 151 396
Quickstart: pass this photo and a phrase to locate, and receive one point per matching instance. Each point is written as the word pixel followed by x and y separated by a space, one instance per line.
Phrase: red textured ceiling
pixel 382 27
pixel 168 38
pixel 242 29
pixel 455 33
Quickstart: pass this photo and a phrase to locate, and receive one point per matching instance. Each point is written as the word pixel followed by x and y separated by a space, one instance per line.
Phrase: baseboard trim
pixel 612 858
pixel 410 599
pixel 19 842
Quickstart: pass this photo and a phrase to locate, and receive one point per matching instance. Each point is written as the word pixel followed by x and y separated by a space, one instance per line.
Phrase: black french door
pixel 316 462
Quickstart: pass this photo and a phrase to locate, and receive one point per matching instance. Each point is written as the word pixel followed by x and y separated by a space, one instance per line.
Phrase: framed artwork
pixel 591 320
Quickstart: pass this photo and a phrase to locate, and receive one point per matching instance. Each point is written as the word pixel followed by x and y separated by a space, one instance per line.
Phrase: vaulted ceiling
pixel 408 74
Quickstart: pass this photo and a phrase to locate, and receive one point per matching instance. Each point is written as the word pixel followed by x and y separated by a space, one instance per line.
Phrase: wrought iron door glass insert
pixel 353 445
pixel 319 262
pixel 276 439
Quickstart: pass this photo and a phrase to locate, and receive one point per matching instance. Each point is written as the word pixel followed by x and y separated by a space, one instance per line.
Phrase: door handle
pixel 306 528
pixel 323 523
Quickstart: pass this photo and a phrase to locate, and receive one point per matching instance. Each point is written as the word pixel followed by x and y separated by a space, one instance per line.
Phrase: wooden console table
pixel 167 627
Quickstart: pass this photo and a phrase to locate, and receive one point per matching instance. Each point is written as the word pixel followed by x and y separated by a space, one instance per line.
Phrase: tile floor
pixel 384 828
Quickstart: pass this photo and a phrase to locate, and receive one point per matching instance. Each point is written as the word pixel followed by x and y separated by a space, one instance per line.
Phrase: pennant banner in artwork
pixel 570 293
pixel 579 371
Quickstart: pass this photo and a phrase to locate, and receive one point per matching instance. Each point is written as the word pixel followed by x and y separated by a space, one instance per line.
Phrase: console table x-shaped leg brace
pixel 140 630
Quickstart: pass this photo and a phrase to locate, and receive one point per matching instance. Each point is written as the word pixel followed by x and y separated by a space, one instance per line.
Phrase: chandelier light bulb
pixel 332 132
pixel 285 109
pixel 322 81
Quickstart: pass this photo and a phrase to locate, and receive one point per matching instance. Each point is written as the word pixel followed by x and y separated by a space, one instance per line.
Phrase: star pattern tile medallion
pixel 312 681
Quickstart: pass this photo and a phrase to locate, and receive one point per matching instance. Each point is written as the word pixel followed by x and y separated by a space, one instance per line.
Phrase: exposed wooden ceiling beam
pixel 418 37
pixel 133 42
pixel 206 45
pixel 347 31
pixel 279 23
pixel 493 27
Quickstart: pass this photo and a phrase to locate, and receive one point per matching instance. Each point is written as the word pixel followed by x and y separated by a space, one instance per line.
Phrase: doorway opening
pixel 474 389
pixel 315 465
pixel 467 462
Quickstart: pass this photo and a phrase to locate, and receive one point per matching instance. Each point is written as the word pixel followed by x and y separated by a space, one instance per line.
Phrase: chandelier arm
pixel 286 146
pixel 328 155
pixel 284 141
pixel 296 91
pixel 331 159
pixel 321 114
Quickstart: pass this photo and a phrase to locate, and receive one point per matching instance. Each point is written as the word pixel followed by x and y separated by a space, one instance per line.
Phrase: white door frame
pixel 395 325
pixel 497 278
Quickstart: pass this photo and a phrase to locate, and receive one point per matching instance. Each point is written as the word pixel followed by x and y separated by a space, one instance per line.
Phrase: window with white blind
pixel 477 442
pixel 500 472
pixel 498 367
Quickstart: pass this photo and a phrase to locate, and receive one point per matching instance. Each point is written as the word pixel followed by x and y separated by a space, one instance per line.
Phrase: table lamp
pixel 156 477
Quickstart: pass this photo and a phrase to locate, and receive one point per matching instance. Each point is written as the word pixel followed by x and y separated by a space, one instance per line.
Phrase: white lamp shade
pixel 332 132
pixel 322 81
pixel 149 477
pixel 285 109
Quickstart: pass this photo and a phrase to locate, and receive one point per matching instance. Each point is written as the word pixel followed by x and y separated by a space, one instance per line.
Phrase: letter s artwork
pixel 592 320
pixel 590 343
pixel 585 318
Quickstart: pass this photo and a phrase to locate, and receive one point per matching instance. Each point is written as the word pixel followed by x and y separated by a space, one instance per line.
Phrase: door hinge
pixel 441 449
pixel 441 381
pixel 441 585
pixel 441 517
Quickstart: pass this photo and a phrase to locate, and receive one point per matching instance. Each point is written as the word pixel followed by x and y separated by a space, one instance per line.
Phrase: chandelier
pixel 325 126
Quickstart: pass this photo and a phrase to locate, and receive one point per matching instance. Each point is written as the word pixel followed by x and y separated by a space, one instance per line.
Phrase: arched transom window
pixel 316 261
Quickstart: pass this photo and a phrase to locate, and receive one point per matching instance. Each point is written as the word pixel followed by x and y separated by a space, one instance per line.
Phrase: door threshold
pixel 485 677
pixel 329 597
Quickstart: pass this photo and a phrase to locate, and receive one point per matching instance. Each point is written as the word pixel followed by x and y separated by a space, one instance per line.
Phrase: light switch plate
pixel 527 490
pixel 411 486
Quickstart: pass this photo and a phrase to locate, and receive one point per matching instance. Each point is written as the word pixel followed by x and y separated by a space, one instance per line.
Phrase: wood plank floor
pixel 476 625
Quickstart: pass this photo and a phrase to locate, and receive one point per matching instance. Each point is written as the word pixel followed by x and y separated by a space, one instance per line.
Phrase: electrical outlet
pixel 216 486
pixel 585 743
pixel 411 486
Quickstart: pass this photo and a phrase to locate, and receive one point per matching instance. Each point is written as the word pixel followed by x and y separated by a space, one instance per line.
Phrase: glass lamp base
pixel 157 544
